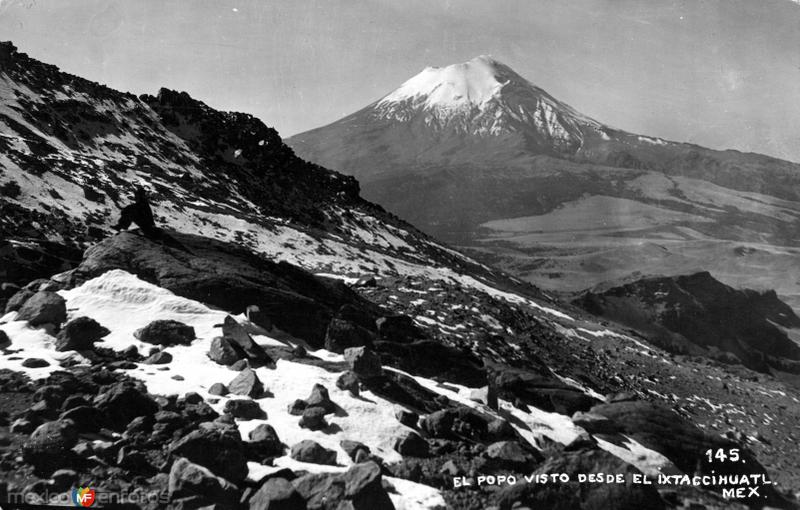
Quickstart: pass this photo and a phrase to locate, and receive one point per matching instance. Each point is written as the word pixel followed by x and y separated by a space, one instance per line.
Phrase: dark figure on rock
pixel 139 212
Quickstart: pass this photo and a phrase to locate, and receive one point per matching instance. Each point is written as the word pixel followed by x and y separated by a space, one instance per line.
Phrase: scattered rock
pixel 166 332
pixel 122 402
pixel 188 479
pixel 348 381
pixel 48 447
pixel 247 384
pixel 44 307
pixel 216 446
pixel 265 440
pixel 319 398
pixel 35 363
pixel 159 358
pixel 363 362
pixel 353 447
pixel 218 389
pixel 342 334
pixel 16 301
pixel 314 453
pixel 80 334
pixel 225 351
pixel 313 418
pixel 297 407
pixel 364 488
pixel 407 418
pixel 235 332
pixel 412 444
pixel 245 409
pixel 277 494
pixel 4 340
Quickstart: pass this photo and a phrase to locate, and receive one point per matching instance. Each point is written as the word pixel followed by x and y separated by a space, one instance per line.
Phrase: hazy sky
pixel 721 73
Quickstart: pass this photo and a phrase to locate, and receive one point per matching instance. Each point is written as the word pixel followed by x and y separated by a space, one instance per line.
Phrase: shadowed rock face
pixel 228 277
pixel 699 315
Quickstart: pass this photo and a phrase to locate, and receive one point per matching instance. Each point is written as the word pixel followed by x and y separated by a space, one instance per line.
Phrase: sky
pixel 719 73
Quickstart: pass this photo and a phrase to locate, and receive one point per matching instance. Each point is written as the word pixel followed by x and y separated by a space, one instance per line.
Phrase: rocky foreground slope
pixel 298 347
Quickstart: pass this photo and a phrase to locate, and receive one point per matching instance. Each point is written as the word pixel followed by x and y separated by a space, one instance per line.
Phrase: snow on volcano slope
pixel 124 303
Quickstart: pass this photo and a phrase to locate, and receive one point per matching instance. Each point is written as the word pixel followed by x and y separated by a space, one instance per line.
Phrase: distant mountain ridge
pixel 480 157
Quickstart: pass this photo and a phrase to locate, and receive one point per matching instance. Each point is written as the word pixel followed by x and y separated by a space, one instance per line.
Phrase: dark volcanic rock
pixel 398 329
pixel 313 418
pixel 217 447
pixel 44 307
pixel 189 479
pixel 245 409
pixel 225 351
pixel 218 389
pixel 313 452
pixel 16 301
pixel 319 398
pixel 412 444
pixel 542 390
pixel 348 381
pixel 586 496
pixel 35 363
pixel 363 362
pixel 166 332
pixel 432 359
pixel 158 358
pixel 342 334
pixel 265 439
pixel 235 332
pixel 229 277
pixel 358 488
pixel 247 384
pixel 277 494
pixel 123 402
pixel 353 447
pixel 80 334
pixel 4 340
pixel 49 445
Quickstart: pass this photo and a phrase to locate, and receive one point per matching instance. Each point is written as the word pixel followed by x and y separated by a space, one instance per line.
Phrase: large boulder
pixel 245 409
pixel 18 299
pixel 187 479
pixel 226 276
pixel 363 362
pixel 49 445
pixel 216 446
pixel 166 332
pixel 122 402
pixel 237 334
pixel 412 444
pixel 44 307
pixel 313 453
pixel 342 334
pixel 247 384
pixel 538 388
pixel 358 488
pixel 277 494
pixel 429 358
pixel 225 351
pixel 265 440
pixel 80 334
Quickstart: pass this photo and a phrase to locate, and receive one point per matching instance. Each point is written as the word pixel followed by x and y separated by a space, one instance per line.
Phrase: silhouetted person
pixel 139 212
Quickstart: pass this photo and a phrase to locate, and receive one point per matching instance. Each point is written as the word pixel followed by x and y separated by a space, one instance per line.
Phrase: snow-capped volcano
pixel 485 97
